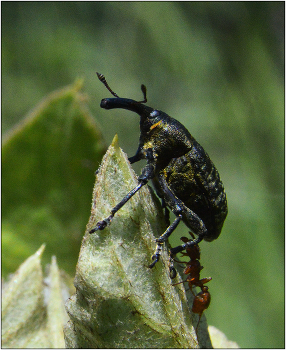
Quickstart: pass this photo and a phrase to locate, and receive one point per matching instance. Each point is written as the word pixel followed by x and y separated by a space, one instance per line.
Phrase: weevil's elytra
pixel 183 175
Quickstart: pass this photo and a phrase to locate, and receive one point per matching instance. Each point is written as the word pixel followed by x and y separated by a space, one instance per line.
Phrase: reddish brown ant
pixel 201 302
pixel 202 299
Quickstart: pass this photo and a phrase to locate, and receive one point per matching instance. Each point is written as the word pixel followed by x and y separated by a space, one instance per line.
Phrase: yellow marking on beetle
pixel 155 125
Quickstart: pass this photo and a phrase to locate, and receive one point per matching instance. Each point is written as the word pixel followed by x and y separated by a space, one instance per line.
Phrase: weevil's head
pixel 125 103
pixel 150 118
pixel 156 126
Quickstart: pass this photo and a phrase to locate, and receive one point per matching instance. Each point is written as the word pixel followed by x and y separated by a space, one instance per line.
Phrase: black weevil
pixel 182 173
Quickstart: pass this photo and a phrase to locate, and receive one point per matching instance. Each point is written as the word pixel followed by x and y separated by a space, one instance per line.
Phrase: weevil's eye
pixel 155 113
pixel 103 103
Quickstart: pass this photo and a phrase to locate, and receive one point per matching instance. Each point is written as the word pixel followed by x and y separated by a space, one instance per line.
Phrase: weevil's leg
pixel 163 239
pixel 181 210
pixel 189 244
pixel 172 270
pixel 102 224
pixel 147 174
pixel 174 204
pixel 156 255
pixel 144 154
pixel 138 156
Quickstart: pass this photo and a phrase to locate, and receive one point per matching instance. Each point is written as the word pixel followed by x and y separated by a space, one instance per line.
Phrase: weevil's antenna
pixel 101 77
pixel 144 90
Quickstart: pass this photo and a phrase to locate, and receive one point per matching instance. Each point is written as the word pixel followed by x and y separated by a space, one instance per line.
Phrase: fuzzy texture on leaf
pixel 33 307
pixel 119 301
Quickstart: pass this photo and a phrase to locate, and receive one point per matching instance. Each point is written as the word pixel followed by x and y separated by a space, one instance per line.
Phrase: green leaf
pixel 48 164
pixel 220 341
pixel 119 301
pixel 33 307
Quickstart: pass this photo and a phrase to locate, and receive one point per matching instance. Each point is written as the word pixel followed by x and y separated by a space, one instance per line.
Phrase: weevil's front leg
pixel 102 224
pixel 138 156
pixel 144 154
pixel 147 174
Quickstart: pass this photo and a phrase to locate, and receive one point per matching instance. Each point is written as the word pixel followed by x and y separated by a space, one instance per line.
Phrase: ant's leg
pixel 200 315
pixel 189 244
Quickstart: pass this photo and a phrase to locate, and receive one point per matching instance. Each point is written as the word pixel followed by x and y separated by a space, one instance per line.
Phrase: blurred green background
pixel 218 67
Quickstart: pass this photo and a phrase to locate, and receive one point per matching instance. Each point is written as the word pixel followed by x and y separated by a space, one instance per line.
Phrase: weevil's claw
pixel 155 257
pixel 100 226
pixel 172 270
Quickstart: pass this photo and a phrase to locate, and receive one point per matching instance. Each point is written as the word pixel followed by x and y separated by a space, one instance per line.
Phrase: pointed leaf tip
pixel 120 302
pixel 114 142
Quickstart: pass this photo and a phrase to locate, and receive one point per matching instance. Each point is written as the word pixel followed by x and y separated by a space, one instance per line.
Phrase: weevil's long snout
pixel 126 103
pixel 110 103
